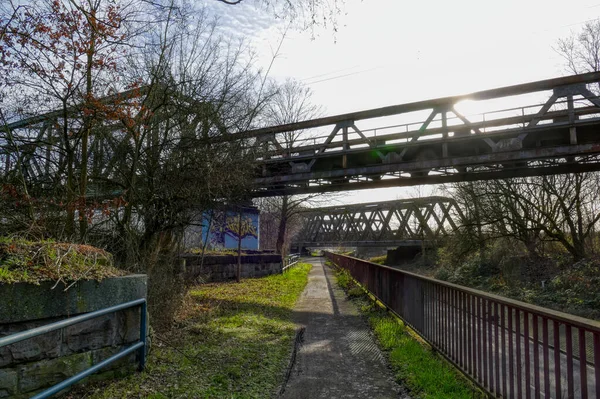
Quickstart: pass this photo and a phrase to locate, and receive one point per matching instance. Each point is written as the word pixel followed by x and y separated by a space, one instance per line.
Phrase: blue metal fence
pixel 139 346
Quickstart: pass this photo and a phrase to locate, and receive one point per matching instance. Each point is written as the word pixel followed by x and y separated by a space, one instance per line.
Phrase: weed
pixel 415 365
pixel 232 340
pixel 36 261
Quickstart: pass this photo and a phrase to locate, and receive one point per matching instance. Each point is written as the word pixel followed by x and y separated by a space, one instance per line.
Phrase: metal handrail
pixel 139 346
pixel 509 348
pixel 290 261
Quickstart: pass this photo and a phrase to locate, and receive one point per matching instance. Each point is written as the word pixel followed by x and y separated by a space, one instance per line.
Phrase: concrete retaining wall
pixel 30 366
pixel 224 267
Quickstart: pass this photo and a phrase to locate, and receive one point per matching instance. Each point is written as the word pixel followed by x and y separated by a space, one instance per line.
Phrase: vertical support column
pixel 572 129
pixel 239 247
pixel 143 332
pixel 445 133
pixel 345 146
pixel 266 156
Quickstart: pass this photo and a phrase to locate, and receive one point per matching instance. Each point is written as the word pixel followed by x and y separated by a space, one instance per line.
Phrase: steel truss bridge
pixel 380 224
pixel 545 127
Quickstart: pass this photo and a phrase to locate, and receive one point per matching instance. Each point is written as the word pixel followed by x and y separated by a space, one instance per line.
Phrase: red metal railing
pixel 510 348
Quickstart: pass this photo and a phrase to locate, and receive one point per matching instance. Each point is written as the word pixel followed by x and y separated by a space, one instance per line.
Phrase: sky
pixel 389 52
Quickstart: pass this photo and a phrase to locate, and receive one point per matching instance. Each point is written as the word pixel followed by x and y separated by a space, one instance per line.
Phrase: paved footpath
pixel 339 357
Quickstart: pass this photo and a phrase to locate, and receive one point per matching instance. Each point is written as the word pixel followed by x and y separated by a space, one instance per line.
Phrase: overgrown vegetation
pixel 425 374
pixel 126 147
pixel 553 281
pixel 232 340
pixel 24 261
pixel 214 252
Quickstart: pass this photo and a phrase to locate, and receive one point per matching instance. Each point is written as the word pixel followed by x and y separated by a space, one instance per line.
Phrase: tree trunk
pixel 87 127
pixel 283 218
pixel 239 265
pixel 70 217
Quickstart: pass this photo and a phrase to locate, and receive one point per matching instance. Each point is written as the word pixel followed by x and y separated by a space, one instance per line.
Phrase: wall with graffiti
pixel 221 229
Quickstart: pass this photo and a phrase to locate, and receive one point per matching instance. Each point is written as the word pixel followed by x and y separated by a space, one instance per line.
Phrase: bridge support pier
pixel 369 252
pixel 403 254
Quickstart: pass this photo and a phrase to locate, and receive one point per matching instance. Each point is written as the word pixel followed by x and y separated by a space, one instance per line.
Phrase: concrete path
pixel 339 357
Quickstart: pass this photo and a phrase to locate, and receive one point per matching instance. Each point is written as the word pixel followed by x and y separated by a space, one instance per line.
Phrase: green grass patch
pixel 23 261
pixel 380 260
pixel 415 366
pixel 232 340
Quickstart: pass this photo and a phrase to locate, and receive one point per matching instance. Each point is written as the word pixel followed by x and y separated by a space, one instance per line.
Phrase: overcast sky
pixel 389 51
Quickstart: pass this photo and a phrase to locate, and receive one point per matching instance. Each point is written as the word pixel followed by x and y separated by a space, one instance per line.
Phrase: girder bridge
pixel 537 128
pixel 380 224
pixel 544 127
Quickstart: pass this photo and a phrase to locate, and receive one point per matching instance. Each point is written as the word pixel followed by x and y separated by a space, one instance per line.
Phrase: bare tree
pixel 304 13
pixel 64 55
pixel 581 50
pixel 291 102
pixel 559 208
pixel 283 216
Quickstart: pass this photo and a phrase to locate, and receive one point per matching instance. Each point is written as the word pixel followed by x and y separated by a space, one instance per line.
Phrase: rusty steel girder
pixel 558 135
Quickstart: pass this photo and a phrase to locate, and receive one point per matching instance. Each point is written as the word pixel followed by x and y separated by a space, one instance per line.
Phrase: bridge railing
pixel 510 348
pixel 139 346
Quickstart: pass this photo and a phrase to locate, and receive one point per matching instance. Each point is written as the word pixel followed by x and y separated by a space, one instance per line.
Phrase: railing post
pixel 143 335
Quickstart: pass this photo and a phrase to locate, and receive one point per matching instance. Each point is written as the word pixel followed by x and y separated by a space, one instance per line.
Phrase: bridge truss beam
pixel 556 135
pixel 391 223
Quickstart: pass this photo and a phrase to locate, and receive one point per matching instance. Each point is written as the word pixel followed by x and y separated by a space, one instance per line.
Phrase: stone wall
pixel 32 365
pixel 224 267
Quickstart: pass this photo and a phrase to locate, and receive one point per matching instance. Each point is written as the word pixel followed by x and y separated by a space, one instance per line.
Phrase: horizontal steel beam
pixel 336 147
pixel 125 95
pixel 383 205
pixel 506 91
pixel 497 158
pixel 432 179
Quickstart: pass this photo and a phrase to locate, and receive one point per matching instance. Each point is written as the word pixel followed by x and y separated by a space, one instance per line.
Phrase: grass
pixel 36 261
pixel 415 366
pixel 232 340
pixel 380 260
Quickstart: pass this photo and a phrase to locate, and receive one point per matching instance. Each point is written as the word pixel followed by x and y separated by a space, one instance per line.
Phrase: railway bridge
pixel 537 128
pixel 400 223
pixel 544 127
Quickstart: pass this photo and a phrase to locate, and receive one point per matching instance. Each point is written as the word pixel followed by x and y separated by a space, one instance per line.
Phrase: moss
pixel 36 261
pixel 213 252
pixel 80 302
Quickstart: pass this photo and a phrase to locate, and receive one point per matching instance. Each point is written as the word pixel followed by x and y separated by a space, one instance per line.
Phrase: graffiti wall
pixel 222 228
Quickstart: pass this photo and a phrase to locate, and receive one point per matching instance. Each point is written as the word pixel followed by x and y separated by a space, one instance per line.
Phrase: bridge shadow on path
pixel 339 357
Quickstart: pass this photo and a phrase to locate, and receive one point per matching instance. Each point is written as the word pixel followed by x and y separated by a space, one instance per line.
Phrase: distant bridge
pixel 380 224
